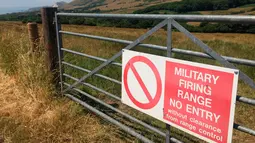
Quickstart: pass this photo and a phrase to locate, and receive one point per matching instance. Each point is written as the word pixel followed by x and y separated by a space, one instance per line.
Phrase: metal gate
pixel 70 90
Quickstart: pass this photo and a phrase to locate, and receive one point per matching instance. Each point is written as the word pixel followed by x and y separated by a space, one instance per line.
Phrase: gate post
pixel 33 36
pixel 50 41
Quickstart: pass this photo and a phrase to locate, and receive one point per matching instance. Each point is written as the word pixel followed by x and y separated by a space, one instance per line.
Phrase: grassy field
pixel 30 109
pixel 66 123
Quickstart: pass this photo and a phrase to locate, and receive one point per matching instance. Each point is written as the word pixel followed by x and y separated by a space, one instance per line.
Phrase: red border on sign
pixel 152 101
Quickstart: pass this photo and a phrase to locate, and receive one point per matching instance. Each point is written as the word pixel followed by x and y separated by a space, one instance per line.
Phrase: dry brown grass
pixel 194 23
pixel 130 4
pixel 28 116
pixel 119 6
pixel 30 110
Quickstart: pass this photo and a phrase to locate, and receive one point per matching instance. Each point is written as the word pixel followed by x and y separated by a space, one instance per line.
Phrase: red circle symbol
pixel 152 101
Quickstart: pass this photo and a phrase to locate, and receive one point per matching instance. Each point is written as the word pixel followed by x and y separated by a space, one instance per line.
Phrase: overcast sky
pixel 28 3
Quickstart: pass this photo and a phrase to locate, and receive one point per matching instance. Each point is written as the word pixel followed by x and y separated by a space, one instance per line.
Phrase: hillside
pixel 112 5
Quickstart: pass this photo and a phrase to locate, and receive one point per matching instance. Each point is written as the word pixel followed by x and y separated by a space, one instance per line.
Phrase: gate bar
pixel 190 18
pixel 89 56
pixel 94 87
pixel 244 129
pixel 86 70
pixel 245 100
pixel 174 50
pixel 60 53
pixel 135 43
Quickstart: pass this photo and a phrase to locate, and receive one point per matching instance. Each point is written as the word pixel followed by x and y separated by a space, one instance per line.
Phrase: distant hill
pixel 34 9
pixel 58 4
pixel 117 6
pixel 61 4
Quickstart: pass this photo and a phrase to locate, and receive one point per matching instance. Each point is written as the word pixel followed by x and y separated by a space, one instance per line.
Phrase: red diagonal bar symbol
pixel 139 79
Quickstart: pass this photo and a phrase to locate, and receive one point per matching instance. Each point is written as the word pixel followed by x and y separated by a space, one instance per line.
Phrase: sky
pixel 28 3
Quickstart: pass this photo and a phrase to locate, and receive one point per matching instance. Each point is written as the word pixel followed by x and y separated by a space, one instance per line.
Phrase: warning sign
pixel 196 98
pixel 152 101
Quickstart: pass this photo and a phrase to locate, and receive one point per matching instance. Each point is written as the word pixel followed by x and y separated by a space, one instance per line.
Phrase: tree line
pixel 194 5
pixel 129 23
pixel 205 27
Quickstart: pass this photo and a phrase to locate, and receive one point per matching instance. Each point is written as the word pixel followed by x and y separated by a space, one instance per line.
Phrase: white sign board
pixel 186 95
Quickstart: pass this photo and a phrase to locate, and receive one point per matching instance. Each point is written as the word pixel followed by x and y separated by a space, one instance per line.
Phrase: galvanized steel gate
pixel 167 20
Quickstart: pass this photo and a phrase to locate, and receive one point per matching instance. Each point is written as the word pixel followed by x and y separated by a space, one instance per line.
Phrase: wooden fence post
pixel 50 40
pixel 33 36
